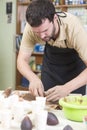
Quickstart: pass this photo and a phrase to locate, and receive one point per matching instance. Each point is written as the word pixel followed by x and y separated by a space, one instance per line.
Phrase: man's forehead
pixel 44 26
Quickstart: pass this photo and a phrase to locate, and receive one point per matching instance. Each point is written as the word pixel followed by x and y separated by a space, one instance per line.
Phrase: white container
pixel 41 102
pixel 6 118
pixel 41 120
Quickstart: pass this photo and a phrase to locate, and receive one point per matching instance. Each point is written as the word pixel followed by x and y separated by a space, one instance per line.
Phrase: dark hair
pixel 39 10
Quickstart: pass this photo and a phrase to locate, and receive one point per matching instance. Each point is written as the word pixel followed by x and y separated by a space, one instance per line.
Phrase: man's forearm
pixel 26 71
pixel 77 82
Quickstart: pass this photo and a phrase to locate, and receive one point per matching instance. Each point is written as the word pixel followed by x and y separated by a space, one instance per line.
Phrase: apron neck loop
pixel 61 14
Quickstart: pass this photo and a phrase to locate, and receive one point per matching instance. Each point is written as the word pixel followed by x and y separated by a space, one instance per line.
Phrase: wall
pixel 7 46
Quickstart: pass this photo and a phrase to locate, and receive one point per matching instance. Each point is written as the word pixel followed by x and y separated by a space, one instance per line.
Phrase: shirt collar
pixel 62 33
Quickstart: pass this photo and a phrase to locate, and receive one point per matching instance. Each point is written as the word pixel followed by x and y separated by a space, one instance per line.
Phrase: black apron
pixel 61 65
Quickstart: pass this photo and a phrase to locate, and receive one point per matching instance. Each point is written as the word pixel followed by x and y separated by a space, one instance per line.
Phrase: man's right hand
pixel 36 87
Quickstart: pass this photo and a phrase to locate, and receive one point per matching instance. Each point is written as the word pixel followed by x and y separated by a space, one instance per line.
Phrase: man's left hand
pixel 55 93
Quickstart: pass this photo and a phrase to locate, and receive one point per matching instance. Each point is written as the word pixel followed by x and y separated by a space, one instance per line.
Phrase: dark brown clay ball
pixel 52 119
pixel 26 124
pixel 67 127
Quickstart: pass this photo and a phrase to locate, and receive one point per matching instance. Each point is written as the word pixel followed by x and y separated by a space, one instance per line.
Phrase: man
pixel 65 56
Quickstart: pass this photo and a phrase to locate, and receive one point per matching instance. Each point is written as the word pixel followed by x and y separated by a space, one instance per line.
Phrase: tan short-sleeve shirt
pixel 71 30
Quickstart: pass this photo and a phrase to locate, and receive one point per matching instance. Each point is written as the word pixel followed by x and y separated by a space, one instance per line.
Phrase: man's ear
pixel 55 17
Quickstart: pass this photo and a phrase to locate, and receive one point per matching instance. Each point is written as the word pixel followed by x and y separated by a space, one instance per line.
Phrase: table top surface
pixel 62 123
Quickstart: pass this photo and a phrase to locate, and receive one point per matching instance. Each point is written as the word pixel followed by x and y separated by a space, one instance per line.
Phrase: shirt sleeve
pixel 29 39
pixel 78 38
pixel 27 43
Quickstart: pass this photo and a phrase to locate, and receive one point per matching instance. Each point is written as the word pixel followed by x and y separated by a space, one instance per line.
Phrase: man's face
pixel 46 30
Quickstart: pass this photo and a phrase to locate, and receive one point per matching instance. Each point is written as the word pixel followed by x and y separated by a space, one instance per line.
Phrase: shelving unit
pixel 21 9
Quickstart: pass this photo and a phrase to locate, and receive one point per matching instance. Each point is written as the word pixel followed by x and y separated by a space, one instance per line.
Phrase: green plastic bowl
pixel 74 107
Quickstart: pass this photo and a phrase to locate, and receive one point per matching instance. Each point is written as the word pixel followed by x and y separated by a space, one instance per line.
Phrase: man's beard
pixel 53 32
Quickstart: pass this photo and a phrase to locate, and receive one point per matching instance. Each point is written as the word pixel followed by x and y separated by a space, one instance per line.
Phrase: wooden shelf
pixel 58 6
pixel 23 3
pixel 71 6
pixel 19 87
pixel 37 53
pixel 36 71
